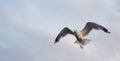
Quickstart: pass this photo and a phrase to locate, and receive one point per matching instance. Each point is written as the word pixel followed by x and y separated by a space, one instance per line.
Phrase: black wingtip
pixel 55 41
pixel 107 31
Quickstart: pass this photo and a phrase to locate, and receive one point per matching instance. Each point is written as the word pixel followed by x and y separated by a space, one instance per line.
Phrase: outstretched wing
pixel 90 25
pixel 63 32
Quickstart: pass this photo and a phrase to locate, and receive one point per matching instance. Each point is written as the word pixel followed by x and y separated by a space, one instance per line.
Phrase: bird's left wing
pixel 63 32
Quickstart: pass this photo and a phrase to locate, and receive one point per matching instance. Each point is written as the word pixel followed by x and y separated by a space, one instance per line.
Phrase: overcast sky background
pixel 28 29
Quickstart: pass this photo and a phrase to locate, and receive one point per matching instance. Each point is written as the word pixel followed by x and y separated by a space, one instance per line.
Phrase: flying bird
pixel 79 35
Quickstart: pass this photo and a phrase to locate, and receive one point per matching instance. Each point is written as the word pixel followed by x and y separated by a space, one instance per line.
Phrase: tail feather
pixel 85 41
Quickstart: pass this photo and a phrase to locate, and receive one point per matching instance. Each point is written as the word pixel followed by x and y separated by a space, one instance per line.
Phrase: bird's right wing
pixel 63 32
pixel 90 25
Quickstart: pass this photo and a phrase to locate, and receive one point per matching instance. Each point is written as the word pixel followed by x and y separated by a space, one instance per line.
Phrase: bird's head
pixel 75 31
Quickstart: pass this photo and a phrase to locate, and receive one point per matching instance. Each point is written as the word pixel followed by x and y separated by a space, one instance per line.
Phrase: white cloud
pixel 3 45
pixel 111 5
pixel 114 58
pixel 32 8
pixel 80 3
pixel 12 15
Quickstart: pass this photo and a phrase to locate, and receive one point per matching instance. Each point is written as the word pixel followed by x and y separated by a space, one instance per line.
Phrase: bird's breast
pixel 79 36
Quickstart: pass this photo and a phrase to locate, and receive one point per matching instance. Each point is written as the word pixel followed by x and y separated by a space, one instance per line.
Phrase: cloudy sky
pixel 28 29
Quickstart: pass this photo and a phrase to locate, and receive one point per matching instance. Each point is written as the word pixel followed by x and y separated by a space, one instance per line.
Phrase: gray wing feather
pixel 90 25
pixel 63 32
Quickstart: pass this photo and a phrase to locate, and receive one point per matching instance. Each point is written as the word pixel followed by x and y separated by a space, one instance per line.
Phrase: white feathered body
pixel 80 39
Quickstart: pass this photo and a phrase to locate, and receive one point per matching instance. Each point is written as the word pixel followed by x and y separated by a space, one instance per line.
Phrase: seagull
pixel 79 35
